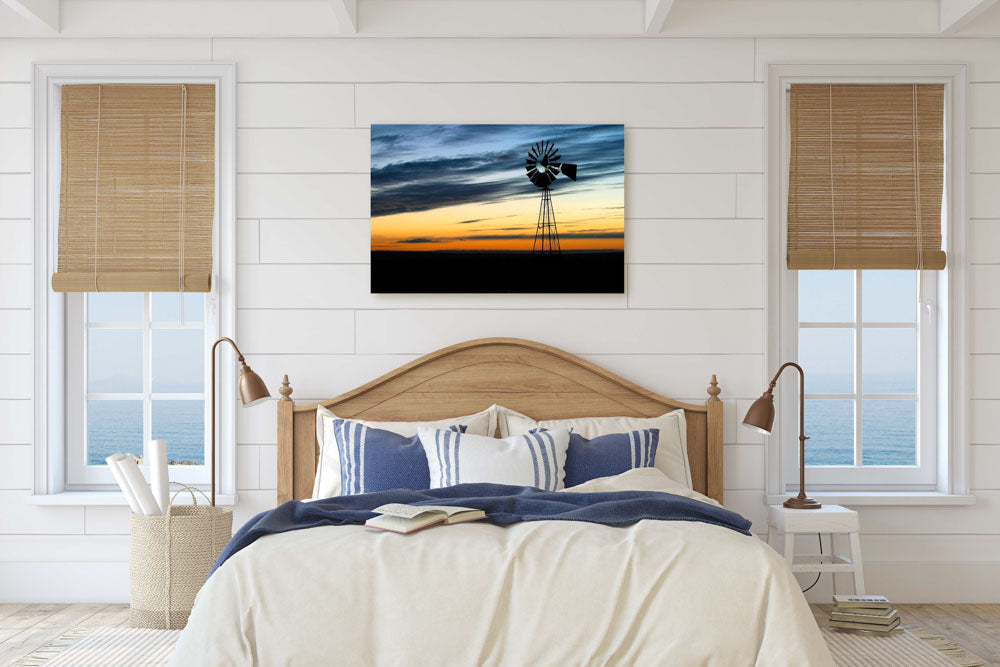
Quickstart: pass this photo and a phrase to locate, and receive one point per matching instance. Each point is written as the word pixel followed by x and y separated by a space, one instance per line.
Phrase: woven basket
pixel 170 559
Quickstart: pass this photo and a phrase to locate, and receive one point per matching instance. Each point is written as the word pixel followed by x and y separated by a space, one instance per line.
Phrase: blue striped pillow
pixel 610 454
pixel 535 459
pixel 372 459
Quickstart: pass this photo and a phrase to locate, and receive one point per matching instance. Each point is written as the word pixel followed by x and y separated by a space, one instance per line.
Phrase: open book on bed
pixel 402 518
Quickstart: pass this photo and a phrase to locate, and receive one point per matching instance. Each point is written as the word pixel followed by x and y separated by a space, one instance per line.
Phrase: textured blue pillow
pixel 610 454
pixel 372 459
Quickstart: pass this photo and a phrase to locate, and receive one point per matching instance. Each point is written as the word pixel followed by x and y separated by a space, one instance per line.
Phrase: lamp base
pixel 802 504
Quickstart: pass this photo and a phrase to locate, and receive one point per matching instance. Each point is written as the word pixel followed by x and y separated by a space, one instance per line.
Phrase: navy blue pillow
pixel 373 459
pixel 610 454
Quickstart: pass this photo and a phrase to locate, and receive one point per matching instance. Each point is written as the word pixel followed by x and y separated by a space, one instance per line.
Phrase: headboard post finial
pixel 286 443
pixel 285 390
pixel 713 446
pixel 713 389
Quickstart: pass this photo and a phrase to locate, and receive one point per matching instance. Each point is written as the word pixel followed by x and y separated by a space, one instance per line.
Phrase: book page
pixel 398 524
pixel 878 599
pixel 406 511
pixel 450 511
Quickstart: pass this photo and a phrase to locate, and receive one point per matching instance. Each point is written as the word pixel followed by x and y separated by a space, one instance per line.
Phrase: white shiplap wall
pixel 693 109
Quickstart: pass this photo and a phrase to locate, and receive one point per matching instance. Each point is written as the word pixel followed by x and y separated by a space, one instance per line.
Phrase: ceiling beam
pixel 347 14
pixel 44 13
pixel 656 15
pixel 958 14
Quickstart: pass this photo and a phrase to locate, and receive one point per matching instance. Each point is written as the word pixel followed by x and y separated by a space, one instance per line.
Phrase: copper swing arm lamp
pixel 760 417
pixel 252 391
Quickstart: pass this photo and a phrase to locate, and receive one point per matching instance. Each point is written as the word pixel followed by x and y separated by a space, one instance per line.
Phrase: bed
pixel 544 592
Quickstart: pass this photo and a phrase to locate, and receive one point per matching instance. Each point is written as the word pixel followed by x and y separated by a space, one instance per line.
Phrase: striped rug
pixel 914 648
pixel 101 647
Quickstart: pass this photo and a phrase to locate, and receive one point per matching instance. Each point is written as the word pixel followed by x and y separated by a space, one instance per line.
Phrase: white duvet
pixel 540 593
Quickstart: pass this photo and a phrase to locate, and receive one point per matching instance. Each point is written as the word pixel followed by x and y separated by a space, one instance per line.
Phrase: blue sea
pixel 888 427
pixel 116 426
pixel 888 432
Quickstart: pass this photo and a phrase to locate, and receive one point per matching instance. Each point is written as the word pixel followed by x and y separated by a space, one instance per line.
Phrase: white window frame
pixel 883 485
pixel 51 482
pixel 80 475
pixel 923 475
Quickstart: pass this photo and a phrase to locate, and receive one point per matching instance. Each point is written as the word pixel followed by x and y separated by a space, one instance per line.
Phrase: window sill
pixel 112 498
pixel 849 498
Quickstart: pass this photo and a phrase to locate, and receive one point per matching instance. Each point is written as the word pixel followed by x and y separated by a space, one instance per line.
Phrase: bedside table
pixel 830 519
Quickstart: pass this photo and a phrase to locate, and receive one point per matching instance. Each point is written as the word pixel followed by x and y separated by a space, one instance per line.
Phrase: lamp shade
pixel 760 416
pixel 252 388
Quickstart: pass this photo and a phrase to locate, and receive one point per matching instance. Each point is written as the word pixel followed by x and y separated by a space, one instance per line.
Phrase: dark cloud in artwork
pixel 474 220
pixel 387 142
pixel 424 167
pixel 443 170
pixel 426 194
pixel 419 239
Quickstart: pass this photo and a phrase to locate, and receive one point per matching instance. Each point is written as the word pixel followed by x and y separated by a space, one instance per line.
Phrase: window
pixel 136 372
pixel 883 349
pixel 115 369
pixel 862 339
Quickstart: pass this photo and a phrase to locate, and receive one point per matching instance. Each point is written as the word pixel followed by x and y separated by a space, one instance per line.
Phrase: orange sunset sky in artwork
pixel 465 187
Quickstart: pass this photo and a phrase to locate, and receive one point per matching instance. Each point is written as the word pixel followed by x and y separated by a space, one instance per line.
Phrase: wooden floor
pixel 26 627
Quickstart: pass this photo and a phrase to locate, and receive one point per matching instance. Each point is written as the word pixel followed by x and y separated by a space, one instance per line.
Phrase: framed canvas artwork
pixel 498 208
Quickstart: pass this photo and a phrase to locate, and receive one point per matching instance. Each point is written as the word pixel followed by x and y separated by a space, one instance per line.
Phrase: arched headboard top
pixel 538 380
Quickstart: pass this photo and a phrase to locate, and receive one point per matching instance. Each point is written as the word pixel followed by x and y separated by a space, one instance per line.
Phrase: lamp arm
pixel 781 368
pixel 802 395
pixel 239 355
pixel 802 421
pixel 801 501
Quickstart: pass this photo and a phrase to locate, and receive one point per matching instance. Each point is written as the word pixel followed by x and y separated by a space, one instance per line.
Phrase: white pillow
pixel 671 452
pixel 327 482
pixel 535 459
pixel 639 479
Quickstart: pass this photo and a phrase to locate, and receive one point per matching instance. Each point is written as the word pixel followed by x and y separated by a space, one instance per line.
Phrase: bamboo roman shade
pixel 866 176
pixel 137 190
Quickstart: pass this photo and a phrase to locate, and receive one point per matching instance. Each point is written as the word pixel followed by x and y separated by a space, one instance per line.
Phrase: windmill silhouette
pixel 543 165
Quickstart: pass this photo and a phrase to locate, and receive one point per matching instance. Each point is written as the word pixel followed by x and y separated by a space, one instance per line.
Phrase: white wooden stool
pixel 832 519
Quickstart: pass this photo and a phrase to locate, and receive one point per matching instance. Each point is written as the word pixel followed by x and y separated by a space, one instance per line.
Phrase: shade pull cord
pixel 180 242
pixel 97 181
pixel 833 205
pixel 916 183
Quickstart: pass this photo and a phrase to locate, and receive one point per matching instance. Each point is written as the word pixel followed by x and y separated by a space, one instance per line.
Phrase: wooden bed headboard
pixel 540 381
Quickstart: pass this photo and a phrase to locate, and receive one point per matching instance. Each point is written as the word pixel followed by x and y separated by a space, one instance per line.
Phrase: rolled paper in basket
pixel 158 474
pixel 136 482
pixel 122 483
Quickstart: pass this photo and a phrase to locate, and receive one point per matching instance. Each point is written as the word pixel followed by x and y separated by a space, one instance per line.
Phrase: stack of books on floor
pixel 864 613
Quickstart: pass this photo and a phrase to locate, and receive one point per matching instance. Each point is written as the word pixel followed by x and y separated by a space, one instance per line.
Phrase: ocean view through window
pixel 145 374
pixel 858 341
